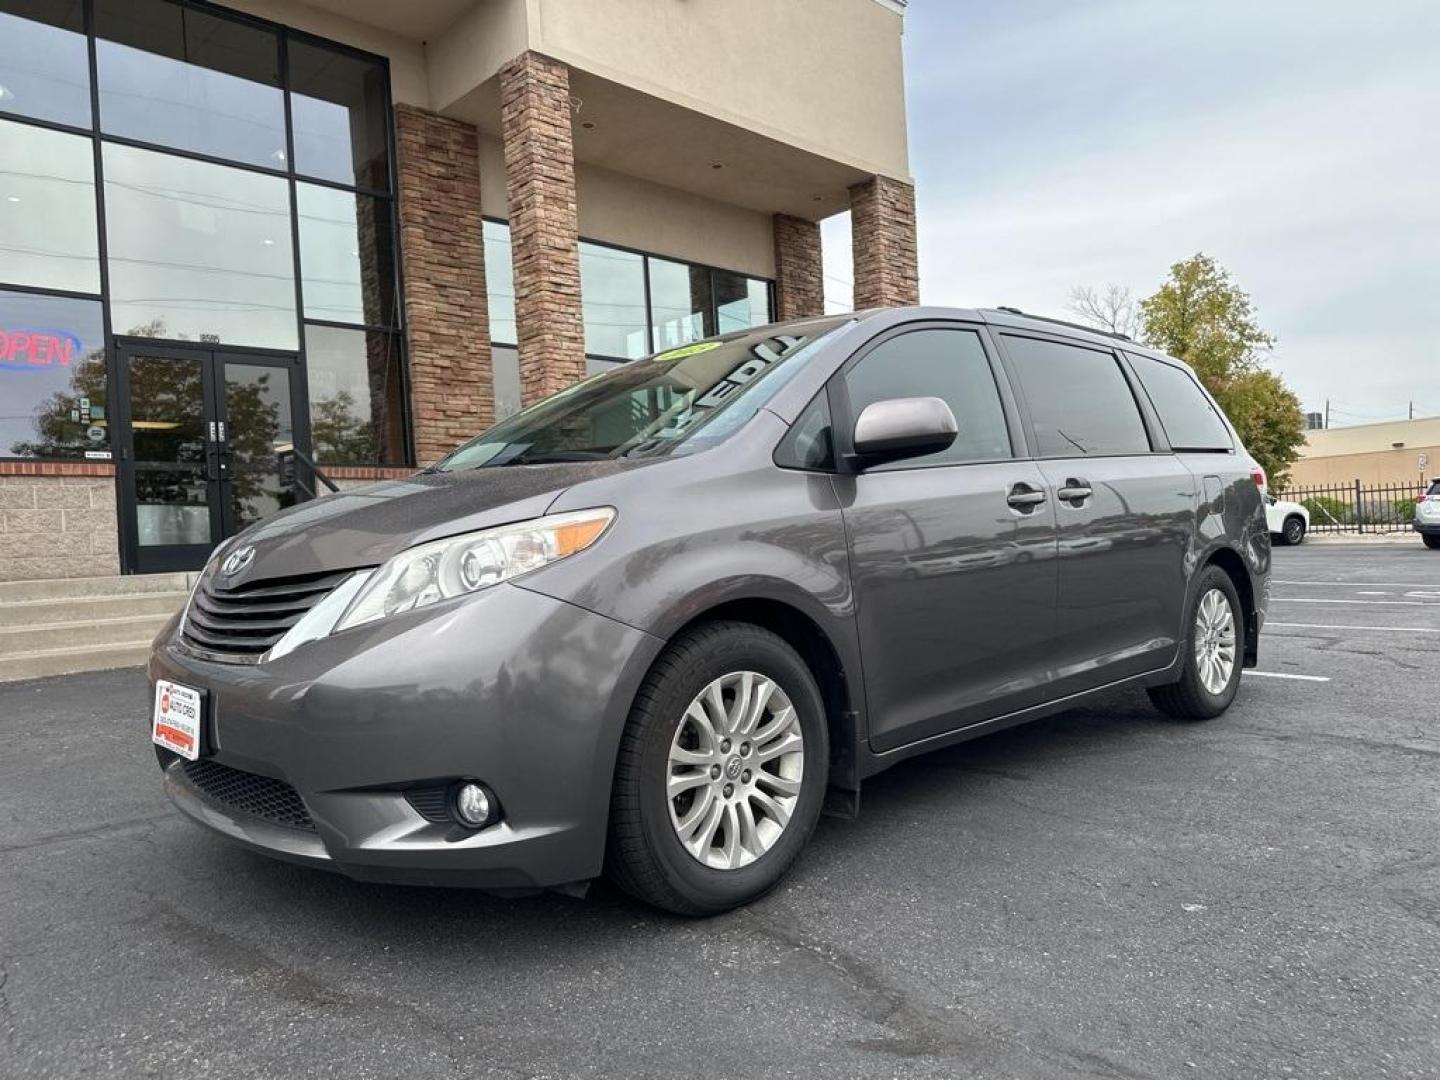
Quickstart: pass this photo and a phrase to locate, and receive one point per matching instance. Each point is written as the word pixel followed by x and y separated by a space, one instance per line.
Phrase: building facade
pixel 1394 452
pixel 238 240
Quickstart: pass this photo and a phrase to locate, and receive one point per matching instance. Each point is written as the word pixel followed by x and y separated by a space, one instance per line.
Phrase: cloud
pixel 1057 144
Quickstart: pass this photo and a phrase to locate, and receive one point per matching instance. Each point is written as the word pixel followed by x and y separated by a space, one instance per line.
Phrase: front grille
pixel 244 622
pixel 260 796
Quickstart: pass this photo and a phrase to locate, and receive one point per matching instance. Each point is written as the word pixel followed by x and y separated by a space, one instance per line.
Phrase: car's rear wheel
pixel 1430 541
pixel 1293 530
pixel 1212 653
pixel 721 771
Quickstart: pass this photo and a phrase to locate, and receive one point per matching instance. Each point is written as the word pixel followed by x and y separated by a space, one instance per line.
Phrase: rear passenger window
pixel 1080 401
pixel 948 364
pixel 1189 420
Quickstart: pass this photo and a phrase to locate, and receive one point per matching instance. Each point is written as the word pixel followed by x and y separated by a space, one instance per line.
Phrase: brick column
pixel 448 322
pixel 544 233
pixel 882 237
pixel 799 269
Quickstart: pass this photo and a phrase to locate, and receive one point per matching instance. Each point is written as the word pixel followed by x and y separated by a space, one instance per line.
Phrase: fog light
pixel 472 804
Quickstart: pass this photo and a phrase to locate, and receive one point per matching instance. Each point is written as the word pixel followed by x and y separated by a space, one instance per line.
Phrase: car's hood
pixel 367 525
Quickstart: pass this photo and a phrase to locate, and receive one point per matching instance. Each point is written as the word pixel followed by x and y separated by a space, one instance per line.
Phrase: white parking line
pixel 1311 600
pixel 1287 675
pixel 1365 584
pixel 1320 626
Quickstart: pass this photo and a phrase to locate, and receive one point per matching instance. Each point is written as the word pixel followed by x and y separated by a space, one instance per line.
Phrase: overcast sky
pixel 1056 144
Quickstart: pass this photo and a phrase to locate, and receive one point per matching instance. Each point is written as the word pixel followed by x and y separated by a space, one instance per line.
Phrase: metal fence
pixel 1347 508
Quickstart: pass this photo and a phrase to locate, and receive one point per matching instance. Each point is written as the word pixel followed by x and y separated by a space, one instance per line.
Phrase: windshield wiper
pixel 553 457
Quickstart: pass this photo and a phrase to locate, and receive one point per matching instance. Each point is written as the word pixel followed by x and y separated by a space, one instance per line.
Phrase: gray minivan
pixel 651 625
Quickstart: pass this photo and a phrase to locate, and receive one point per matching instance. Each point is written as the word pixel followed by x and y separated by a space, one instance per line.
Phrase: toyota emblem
pixel 238 560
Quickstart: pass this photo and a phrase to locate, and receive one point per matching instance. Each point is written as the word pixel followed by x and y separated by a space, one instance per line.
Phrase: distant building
pixel 1395 452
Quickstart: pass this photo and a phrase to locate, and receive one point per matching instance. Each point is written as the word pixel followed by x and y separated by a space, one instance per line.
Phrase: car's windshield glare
pixel 687 398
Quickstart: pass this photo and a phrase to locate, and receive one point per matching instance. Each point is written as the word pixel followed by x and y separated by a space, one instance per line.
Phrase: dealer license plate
pixel 176 722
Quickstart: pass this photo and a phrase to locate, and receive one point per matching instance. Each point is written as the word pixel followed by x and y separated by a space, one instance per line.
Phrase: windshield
pixel 677 401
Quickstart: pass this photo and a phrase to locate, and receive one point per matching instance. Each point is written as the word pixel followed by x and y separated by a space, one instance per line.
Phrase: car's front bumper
pixel 523 692
pixel 1427 528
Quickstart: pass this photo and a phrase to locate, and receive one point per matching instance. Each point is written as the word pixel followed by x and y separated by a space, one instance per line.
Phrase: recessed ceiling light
pixel 12 198
pixel 268 242
pixel 817 198
pixel 587 124
pixel 717 164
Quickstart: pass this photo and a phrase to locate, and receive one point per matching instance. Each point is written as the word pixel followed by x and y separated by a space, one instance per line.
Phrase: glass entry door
pixel 201 437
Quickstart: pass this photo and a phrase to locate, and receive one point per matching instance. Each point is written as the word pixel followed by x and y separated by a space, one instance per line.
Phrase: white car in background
pixel 1289 521
pixel 1427 515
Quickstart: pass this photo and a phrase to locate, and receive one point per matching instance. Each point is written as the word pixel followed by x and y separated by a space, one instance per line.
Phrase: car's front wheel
pixel 1212 653
pixel 1294 530
pixel 721 771
pixel 1430 541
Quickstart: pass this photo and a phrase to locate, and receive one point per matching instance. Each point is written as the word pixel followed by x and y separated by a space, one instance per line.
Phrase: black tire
pixel 644 855
pixel 1187 698
pixel 1293 531
pixel 1430 541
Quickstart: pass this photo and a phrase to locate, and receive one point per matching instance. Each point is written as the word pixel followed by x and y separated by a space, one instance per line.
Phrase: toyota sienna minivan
pixel 651 625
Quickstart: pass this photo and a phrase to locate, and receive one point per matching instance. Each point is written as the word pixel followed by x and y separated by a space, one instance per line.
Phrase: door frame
pixel 212 359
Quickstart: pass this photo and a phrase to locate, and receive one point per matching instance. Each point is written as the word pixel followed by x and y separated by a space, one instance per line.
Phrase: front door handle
pixel 1024 498
pixel 1075 491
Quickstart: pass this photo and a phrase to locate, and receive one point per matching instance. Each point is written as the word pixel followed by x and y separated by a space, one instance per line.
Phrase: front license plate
pixel 176 722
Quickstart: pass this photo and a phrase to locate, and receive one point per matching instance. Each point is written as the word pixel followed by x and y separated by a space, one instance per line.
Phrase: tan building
pixel 364 229
pixel 1396 452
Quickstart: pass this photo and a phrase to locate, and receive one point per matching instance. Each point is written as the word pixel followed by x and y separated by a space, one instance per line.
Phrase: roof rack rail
pixel 1065 322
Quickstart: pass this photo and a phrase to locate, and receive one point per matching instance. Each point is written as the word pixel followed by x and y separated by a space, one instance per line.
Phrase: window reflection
pixel 52 377
pixel 740 302
pixel 198 251
pixel 505 375
pixel 181 77
pixel 338 107
pixel 346 260
pixel 356 399
pixel 44 63
pixel 679 300
pixel 500 283
pixel 612 295
pixel 48 237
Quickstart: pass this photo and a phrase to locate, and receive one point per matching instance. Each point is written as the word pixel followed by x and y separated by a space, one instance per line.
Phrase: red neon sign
pixel 26 347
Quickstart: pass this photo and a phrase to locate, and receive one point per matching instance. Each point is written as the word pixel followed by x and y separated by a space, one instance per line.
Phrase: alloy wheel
pixel 1215 641
pixel 735 769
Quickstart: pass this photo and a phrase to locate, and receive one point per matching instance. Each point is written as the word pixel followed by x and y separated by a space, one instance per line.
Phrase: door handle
pixel 1024 498
pixel 1075 491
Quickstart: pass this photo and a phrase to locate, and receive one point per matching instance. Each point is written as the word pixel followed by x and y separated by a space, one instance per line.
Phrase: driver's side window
pixel 950 365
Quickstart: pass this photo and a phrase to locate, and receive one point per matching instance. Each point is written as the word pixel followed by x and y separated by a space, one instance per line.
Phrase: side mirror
pixel 903 427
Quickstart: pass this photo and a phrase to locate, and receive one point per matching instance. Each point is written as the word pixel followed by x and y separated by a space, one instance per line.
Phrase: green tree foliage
pixel 1200 316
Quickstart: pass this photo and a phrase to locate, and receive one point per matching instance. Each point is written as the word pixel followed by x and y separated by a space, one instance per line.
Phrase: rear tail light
pixel 1258 475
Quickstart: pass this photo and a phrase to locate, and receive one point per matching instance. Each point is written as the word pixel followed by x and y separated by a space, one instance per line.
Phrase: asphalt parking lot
pixel 1101 894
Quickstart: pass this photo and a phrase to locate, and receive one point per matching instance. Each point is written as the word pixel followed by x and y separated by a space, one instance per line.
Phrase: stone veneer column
pixel 447 319
pixel 882 229
pixel 799 269
pixel 535 119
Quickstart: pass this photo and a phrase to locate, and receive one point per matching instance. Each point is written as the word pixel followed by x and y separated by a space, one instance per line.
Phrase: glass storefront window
pixel 612 296
pixel 48 237
pixel 679 300
pixel 338 106
pixel 500 283
pixel 182 77
pixel 347 264
pixel 357 411
pixel 52 377
pixel 44 62
pixel 198 252
pixel 740 302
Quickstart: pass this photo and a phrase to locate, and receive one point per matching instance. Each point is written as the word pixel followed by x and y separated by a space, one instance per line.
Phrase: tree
pixel 1201 317
pixel 1112 310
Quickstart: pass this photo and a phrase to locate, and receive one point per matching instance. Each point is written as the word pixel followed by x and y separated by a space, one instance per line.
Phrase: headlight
pixel 473 561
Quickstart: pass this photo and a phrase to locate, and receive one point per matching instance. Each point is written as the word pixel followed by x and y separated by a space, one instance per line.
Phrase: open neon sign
pixel 37 347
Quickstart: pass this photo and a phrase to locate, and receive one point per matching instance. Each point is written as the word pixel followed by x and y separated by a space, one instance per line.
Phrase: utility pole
pixel 1412 410
pixel 1327 414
